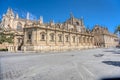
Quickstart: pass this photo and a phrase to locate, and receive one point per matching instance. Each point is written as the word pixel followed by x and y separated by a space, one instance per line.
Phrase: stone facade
pixel 57 36
pixel 39 36
pixel 17 41
pixel 103 38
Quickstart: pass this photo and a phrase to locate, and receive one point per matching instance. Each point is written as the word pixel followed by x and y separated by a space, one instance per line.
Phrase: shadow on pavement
pixel 118 52
pixel 114 63
pixel 114 52
pixel 109 51
pixel 114 78
pixel 1 77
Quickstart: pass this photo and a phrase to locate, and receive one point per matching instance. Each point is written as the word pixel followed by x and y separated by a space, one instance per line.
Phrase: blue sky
pixel 102 12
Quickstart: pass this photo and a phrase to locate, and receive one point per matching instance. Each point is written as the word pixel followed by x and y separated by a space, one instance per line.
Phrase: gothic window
pixel 42 36
pixel 19 26
pixel 51 37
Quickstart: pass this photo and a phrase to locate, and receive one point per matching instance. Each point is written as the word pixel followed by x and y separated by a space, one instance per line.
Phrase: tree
pixel 6 38
pixel 2 38
pixel 118 31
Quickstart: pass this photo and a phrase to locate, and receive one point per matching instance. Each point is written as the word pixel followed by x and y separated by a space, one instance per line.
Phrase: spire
pixel 17 16
pixel 52 22
pixel 28 16
pixel 10 12
pixel 82 21
pixel 41 20
pixel 71 18
pixel 71 15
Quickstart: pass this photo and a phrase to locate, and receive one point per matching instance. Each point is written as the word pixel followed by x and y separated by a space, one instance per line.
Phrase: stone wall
pixel 75 40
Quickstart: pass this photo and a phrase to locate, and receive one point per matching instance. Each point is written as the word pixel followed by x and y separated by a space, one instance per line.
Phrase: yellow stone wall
pixel 47 45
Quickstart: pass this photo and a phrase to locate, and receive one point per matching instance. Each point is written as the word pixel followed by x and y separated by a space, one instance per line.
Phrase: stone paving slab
pixel 73 65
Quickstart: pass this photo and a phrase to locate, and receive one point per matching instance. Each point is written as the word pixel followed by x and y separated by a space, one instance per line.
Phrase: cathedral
pixel 31 35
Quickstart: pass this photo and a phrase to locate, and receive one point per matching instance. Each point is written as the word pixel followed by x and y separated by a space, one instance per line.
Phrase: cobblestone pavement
pixel 71 65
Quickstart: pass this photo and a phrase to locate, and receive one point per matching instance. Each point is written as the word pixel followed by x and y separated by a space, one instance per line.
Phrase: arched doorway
pixel 20 43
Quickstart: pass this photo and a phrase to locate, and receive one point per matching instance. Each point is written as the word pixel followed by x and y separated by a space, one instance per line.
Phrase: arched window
pixel 52 37
pixel 67 38
pixel 29 37
pixel 19 26
pixel 73 39
pixel 60 37
pixel 77 23
pixel 42 36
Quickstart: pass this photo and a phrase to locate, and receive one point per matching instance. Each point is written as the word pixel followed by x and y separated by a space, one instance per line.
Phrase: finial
pixel 52 22
pixel 82 21
pixel 9 9
pixel 28 16
pixel 17 16
pixel 10 12
pixel 41 19
pixel 71 15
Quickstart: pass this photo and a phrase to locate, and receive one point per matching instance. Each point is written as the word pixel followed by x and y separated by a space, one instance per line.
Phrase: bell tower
pixel 7 19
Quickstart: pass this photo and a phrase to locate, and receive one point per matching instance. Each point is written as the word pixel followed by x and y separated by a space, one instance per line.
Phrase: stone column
pixel 47 40
pixel 16 48
pixel 69 39
pixel 36 36
pixel 77 38
pixel 63 38
pixel 24 48
pixel 85 40
pixel 92 41
pixel 25 37
pixel 82 41
pixel 55 38
pixel 82 37
pixel 33 37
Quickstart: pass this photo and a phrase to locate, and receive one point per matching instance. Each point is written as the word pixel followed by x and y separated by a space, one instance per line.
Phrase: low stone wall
pixel 54 48
pixel 12 48
pixel 3 46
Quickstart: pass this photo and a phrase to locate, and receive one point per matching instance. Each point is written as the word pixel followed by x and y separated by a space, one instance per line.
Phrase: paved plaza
pixel 92 64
